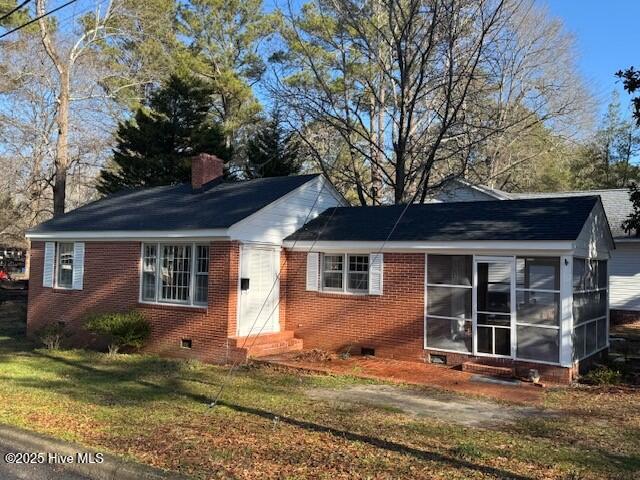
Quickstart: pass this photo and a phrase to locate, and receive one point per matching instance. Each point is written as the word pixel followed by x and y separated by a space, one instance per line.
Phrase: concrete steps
pixel 256 346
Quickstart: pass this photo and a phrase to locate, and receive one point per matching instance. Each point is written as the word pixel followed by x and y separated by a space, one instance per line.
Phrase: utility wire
pixel 380 249
pixel 37 18
pixel 275 282
pixel 14 10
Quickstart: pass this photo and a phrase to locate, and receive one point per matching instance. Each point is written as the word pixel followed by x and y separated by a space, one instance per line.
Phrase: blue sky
pixel 607 39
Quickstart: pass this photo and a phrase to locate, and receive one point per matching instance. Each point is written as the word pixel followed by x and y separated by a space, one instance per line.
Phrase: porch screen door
pixel 493 306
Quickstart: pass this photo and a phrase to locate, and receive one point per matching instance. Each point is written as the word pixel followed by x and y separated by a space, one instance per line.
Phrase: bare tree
pixel 28 112
pixel 110 25
pixel 414 89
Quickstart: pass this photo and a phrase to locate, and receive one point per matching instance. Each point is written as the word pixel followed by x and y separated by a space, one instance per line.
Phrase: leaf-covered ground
pixel 155 411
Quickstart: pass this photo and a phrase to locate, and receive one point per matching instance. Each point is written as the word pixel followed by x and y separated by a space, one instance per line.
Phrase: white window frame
pixel 345 274
pixel 484 258
pixel 192 274
pixel 56 270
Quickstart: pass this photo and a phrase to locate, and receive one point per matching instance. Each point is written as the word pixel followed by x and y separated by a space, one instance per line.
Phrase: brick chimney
pixel 205 168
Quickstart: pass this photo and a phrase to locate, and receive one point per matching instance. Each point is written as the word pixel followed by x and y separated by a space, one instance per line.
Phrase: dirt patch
pixel 450 408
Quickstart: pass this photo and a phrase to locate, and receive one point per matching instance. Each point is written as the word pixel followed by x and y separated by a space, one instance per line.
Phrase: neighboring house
pixel 484 285
pixel 624 267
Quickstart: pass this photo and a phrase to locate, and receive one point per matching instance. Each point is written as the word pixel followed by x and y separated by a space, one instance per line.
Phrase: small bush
pixel 128 329
pixel 51 335
pixel 603 376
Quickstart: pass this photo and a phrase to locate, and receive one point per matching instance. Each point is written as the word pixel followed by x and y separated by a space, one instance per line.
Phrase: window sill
pixel 64 290
pixel 346 293
pixel 174 306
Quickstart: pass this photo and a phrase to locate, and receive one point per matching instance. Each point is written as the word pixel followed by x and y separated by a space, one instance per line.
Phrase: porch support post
pixel 566 310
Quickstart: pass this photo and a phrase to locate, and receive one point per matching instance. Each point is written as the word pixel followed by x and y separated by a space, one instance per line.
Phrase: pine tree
pixel 632 224
pixel 273 151
pixel 155 147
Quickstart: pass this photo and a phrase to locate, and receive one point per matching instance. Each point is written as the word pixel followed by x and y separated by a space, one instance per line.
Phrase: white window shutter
pixel 313 260
pixel 49 259
pixel 376 273
pixel 78 265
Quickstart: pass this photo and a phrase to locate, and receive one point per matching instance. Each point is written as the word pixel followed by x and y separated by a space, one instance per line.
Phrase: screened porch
pixel 544 309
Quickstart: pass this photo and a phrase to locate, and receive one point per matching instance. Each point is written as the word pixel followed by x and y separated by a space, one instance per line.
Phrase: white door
pixel 259 290
pixel 494 307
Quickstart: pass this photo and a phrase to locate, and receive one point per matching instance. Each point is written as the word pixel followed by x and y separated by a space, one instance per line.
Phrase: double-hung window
pixel 345 273
pixel 175 273
pixel 64 265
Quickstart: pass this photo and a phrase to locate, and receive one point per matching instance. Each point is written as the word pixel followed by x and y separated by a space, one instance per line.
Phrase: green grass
pixel 155 410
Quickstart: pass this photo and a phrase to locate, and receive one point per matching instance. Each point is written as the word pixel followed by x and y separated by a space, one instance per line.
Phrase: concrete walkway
pixel 442 406
pixel 415 373
pixel 54 459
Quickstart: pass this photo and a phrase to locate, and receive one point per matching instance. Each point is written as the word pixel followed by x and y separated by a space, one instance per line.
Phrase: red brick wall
pixel 111 283
pixel 391 323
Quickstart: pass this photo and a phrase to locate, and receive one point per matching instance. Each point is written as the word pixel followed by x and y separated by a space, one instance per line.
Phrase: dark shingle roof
pixel 530 219
pixel 176 207
pixel 616 202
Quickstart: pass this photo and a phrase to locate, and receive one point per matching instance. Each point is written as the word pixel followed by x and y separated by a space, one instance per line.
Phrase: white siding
pixel 595 240
pixel 624 277
pixel 459 192
pixel 283 217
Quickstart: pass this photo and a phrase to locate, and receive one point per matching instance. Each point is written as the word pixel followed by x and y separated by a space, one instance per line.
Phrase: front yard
pixel 268 426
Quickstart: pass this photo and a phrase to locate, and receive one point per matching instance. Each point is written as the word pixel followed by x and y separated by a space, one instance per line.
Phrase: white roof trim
pixel 626 239
pixel 420 246
pixel 220 233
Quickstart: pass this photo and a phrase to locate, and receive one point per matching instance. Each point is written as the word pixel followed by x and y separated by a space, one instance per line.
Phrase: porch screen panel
pixel 449 294
pixel 590 291
pixel 538 308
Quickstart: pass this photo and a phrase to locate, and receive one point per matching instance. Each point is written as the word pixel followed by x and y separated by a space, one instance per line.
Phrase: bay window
pixel 175 273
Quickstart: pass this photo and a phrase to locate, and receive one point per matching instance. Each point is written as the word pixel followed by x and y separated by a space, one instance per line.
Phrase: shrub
pixel 51 335
pixel 128 329
pixel 603 376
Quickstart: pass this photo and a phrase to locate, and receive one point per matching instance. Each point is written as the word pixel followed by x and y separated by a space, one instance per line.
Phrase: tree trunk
pixel 61 163
pixel 62 146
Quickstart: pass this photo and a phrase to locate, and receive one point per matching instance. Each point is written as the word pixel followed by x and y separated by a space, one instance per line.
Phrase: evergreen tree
pixel 156 146
pixel 273 151
pixel 607 160
pixel 632 224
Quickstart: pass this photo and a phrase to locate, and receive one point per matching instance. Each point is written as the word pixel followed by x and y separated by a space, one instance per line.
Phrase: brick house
pixel 285 262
